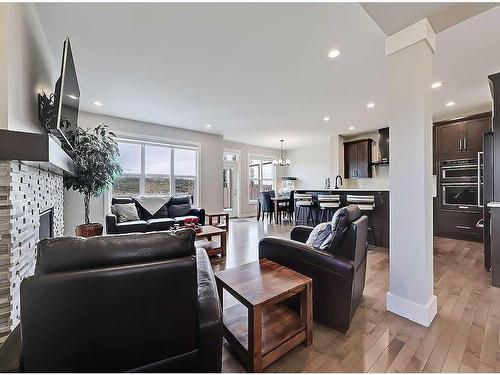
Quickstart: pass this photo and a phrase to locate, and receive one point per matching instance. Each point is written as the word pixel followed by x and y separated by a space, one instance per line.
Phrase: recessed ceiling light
pixel 351 127
pixel 208 125
pixel 72 96
pixel 450 104
pixel 334 53
pixel 370 105
pixel 326 118
pixel 97 103
pixel 436 85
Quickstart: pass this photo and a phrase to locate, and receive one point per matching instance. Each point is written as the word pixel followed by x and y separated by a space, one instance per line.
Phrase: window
pixel 260 178
pixel 157 163
pixel 229 156
pixel 130 179
pixel 152 169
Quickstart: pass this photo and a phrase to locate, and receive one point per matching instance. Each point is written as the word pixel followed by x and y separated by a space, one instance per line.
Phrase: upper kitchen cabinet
pixel 474 130
pixel 461 138
pixel 358 158
pixel 450 138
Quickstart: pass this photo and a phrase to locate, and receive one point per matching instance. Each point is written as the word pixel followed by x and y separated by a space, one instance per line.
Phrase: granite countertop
pixel 343 189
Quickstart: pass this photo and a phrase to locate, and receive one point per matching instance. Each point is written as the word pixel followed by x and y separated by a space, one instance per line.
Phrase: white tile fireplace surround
pixel 26 191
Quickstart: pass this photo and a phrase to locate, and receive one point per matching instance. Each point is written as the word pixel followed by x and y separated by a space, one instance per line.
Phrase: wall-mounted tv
pixel 67 98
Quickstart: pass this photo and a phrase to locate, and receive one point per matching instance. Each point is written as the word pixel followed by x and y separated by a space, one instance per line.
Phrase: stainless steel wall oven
pixel 461 183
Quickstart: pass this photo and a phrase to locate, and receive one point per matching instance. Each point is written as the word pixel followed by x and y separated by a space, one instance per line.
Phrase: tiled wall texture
pixel 25 192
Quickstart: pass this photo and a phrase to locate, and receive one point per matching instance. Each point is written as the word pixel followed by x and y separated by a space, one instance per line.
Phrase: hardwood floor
pixel 464 336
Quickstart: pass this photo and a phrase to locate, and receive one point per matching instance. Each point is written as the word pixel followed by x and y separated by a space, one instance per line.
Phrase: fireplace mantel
pixel 38 150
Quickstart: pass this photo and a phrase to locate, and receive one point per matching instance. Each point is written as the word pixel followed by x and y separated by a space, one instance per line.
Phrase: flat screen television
pixel 67 99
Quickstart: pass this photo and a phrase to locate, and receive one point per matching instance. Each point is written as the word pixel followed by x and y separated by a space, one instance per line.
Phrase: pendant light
pixel 281 162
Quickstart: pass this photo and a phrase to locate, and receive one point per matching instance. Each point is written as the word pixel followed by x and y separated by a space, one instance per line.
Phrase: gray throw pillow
pixel 126 212
pixel 176 210
pixel 321 236
pixel 340 222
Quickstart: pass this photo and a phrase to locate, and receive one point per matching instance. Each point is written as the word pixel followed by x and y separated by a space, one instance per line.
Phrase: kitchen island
pixel 379 217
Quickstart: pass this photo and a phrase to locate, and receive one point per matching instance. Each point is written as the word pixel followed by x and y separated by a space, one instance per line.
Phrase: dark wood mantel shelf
pixel 40 150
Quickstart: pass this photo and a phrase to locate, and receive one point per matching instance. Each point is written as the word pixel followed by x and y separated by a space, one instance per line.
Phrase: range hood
pixel 383 147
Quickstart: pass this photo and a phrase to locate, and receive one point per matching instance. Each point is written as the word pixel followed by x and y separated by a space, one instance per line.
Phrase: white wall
pixel 31 68
pixel 211 152
pixel 247 209
pixel 311 165
pixel 3 66
pixel 380 174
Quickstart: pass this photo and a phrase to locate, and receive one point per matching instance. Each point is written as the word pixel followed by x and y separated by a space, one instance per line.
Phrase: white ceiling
pixel 256 72
pixel 393 17
pixel 466 54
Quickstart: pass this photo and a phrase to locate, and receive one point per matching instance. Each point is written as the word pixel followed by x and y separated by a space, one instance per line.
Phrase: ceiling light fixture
pixel 370 105
pixel 436 85
pixel 208 125
pixel 450 104
pixel 326 118
pixel 334 53
pixel 351 127
pixel 97 103
pixel 281 162
pixel 73 96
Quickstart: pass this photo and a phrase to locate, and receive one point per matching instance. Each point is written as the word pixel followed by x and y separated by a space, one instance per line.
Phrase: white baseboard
pixel 421 314
pixel 245 215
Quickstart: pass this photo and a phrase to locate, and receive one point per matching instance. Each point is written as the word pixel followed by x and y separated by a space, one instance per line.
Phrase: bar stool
pixel 303 202
pixel 366 204
pixel 328 204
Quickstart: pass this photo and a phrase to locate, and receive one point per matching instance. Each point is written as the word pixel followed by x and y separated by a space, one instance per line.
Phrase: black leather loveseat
pixel 164 219
pixel 338 273
pixel 136 302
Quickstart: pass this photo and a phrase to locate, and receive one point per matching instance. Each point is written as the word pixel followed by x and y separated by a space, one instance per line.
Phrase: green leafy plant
pixel 95 156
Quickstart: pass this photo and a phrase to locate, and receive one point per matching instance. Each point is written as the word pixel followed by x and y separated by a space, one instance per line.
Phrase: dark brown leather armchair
pixel 135 302
pixel 338 274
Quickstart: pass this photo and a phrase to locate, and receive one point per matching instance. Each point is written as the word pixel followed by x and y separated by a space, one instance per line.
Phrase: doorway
pixel 230 183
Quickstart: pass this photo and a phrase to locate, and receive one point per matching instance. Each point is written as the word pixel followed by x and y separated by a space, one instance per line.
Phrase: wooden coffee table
pixel 208 231
pixel 221 219
pixel 260 329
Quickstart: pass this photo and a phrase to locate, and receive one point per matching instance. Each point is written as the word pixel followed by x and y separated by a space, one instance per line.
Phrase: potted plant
pixel 95 156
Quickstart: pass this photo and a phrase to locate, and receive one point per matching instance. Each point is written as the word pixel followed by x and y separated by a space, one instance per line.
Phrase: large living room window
pixel 260 178
pixel 156 169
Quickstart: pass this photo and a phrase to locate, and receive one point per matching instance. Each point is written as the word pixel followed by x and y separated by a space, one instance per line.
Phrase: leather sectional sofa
pixel 162 220
pixel 135 303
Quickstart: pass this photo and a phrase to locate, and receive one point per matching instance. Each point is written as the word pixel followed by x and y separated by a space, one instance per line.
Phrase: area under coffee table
pixel 260 329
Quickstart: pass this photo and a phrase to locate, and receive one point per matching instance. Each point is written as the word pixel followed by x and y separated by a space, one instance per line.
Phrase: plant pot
pixel 89 230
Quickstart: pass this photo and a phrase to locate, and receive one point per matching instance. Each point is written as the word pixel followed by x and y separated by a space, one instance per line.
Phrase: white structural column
pixel 409 58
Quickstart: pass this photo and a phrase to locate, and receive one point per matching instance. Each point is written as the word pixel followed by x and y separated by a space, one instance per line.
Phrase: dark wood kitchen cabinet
pixel 457 139
pixel 358 158
pixel 449 139
pixel 461 138
pixel 474 130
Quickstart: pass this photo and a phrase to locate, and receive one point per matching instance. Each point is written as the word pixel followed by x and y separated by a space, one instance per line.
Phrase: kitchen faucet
pixel 336 179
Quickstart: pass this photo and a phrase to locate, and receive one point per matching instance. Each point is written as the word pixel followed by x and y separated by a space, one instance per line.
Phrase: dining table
pixel 277 201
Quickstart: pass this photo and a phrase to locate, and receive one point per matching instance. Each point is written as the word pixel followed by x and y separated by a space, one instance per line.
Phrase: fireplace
pixel 46 228
pixel 31 208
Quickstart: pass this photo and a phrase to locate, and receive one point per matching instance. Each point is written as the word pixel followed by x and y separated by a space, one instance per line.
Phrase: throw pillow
pixel 340 223
pixel 176 210
pixel 321 236
pixel 126 212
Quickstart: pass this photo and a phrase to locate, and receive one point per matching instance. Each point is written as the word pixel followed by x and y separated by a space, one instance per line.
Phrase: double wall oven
pixel 461 183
